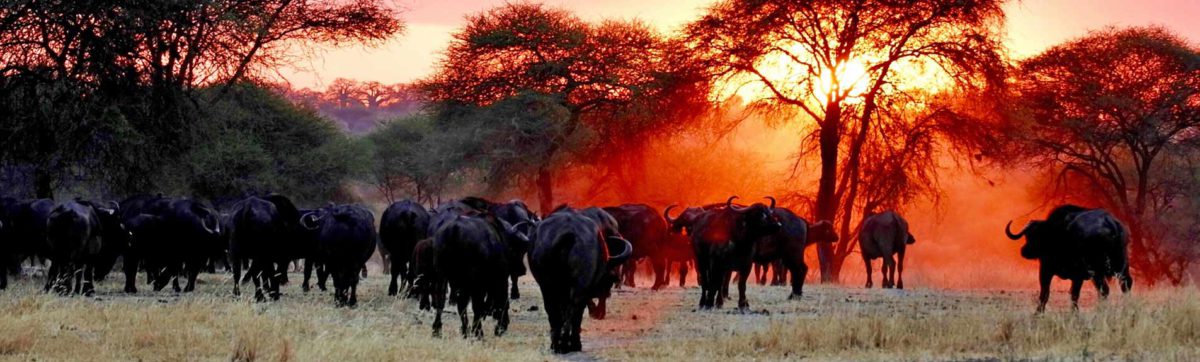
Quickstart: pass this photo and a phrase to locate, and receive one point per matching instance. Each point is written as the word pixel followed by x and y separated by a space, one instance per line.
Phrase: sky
pixel 1033 26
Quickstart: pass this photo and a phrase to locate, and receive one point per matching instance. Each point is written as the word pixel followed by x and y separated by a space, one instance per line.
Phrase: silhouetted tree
pixel 1116 115
pixel 140 62
pixel 804 56
pixel 606 76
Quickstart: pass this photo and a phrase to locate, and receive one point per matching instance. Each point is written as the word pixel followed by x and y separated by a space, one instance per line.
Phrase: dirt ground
pixel 831 322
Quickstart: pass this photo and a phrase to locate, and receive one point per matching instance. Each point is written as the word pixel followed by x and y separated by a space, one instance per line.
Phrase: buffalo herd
pixel 471 251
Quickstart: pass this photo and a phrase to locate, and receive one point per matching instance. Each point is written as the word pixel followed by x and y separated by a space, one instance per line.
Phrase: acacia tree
pixel 601 74
pixel 1116 114
pixel 804 54
pixel 141 62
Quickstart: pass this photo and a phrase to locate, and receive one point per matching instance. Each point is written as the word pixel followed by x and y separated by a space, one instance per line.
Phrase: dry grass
pixel 831 323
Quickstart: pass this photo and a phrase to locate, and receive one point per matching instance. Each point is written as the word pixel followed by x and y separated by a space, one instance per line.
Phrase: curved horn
pixel 667 214
pixel 204 223
pixel 514 230
pixel 1016 236
pixel 729 204
pixel 304 220
pixel 772 202
pixel 615 260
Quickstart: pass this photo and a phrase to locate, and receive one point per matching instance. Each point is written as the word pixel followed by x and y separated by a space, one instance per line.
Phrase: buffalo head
pixel 1035 233
pixel 822 232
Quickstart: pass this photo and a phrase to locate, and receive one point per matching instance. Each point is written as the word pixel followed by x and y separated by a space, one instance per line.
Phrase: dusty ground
pixel 830 323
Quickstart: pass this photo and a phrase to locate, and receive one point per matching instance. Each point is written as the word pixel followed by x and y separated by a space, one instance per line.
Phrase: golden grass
pixel 831 323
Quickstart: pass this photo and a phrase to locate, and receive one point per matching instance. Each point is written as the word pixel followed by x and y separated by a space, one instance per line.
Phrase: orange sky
pixel 1033 25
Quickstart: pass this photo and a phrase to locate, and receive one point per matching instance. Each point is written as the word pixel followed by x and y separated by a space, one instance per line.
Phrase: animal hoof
pixel 794 296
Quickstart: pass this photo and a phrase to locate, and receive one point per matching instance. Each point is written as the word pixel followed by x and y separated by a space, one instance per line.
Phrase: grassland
pixel 830 323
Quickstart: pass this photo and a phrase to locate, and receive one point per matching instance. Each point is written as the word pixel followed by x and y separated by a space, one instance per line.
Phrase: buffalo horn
pixel 667 214
pixel 1017 235
pixel 615 260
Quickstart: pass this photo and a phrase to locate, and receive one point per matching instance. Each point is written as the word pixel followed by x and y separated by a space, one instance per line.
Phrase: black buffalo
pixel 73 238
pixel 785 247
pixel 260 237
pixel 179 239
pixel 345 236
pixel 646 230
pixel 884 235
pixel 724 240
pixel 1077 244
pixel 425 275
pixel 25 231
pixel 574 263
pixel 679 250
pixel 514 214
pixel 470 256
pixel 404 223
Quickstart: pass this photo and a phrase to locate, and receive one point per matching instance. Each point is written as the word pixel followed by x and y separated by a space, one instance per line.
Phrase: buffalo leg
pixel 192 272
pixel 1076 286
pixel 237 278
pixel 460 301
pixel 760 273
pixel 702 273
pixel 1101 286
pixel 798 274
pixel 397 268
pixel 500 310
pixel 51 275
pixel 479 310
pixel 255 274
pixel 743 304
pixel 683 272
pixel 437 295
pixel 308 269
pixel 900 271
pixel 867 262
pixel 1126 280
pixel 660 273
pixel 130 266
pixel 576 321
pixel 1044 277
pixel 551 303
pixel 322 276
pixel 889 272
pixel 515 292
pixel 353 294
pixel 89 286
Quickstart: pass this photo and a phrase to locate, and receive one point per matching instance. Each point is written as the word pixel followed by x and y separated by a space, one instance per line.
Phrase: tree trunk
pixel 827 201
pixel 545 189
pixel 43 183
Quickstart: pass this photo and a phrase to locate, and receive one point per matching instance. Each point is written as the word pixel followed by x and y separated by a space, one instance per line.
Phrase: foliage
pixel 131 70
pixel 257 142
pixel 1116 115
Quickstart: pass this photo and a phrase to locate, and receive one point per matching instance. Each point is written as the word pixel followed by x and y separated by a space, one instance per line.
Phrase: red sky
pixel 1033 25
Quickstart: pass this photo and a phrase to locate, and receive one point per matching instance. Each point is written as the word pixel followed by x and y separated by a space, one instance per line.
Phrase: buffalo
pixel 1076 244
pixel 73 237
pixel 646 230
pixel 883 235
pixel 345 237
pixel 25 231
pixel 404 223
pixel 573 263
pixel 180 238
pixel 724 240
pixel 260 235
pixel 517 215
pixel 473 259
pixel 785 247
